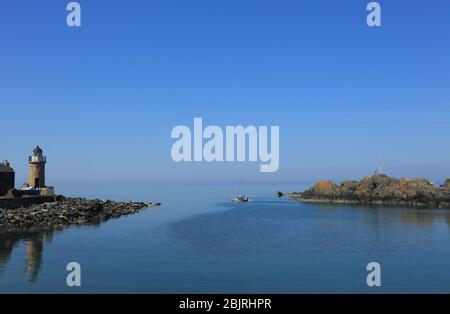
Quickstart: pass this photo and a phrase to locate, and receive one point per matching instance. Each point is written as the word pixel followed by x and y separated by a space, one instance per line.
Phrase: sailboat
pixel 240 198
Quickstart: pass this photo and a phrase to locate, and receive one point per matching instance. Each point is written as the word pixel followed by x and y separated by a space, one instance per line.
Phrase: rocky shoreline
pixel 379 190
pixel 65 212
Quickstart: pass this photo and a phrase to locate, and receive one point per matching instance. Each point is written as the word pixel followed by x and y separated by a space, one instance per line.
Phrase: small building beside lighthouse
pixel 36 177
pixel 7 177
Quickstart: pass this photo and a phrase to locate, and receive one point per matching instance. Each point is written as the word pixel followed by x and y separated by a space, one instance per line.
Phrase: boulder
pixel 447 184
pixel 12 193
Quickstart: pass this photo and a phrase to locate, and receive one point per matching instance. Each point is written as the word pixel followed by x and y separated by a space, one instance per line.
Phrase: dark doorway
pixel 36 182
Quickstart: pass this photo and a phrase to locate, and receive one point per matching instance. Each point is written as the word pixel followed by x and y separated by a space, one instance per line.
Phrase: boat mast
pixel 380 164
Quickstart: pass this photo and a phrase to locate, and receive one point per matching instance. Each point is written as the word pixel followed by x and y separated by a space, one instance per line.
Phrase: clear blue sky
pixel 102 99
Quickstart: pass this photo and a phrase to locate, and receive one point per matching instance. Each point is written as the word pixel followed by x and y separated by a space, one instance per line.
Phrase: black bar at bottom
pixel 222 303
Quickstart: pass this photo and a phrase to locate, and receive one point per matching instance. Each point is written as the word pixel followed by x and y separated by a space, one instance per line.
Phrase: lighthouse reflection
pixel 34 246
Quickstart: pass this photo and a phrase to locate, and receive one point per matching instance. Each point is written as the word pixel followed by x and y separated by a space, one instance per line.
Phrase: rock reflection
pixel 34 246
pixel 389 214
pixel 425 217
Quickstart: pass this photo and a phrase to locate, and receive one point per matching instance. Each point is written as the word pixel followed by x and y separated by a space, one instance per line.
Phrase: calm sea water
pixel 200 242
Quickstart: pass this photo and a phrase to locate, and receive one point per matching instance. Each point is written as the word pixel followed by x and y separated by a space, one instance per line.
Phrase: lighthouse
pixel 37 162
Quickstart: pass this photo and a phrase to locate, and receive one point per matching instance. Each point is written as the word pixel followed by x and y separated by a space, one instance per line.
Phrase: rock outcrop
pixel 66 212
pixel 380 190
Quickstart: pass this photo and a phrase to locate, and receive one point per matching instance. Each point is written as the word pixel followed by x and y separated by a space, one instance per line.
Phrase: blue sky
pixel 102 99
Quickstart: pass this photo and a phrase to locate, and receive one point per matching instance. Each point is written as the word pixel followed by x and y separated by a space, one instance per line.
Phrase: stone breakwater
pixel 379 190
pixel 65 212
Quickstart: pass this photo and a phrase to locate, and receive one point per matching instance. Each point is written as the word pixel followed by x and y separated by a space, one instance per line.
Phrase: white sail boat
pixel 240 198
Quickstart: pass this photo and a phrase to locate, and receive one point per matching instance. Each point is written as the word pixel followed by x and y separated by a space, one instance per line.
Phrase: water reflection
pixel 408 216
pixel 286 227
pixel 272 228
pixel 34 245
